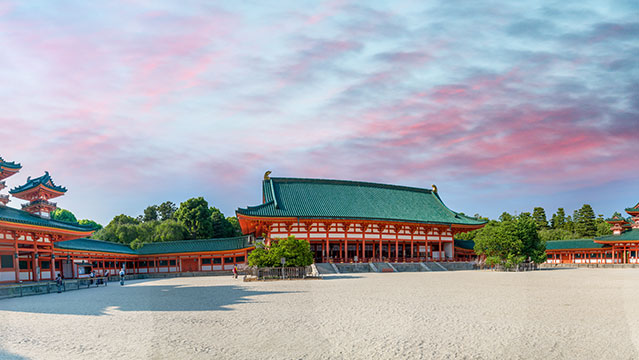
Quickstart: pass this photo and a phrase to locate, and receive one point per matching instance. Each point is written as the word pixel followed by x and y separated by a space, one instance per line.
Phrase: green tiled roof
pixel 94 245
pixel 19 216
pixel 616 218
pixel 340 199
pixel 170 247
pixel 629 235
pixel 44 180
pixel 7 164
pixel 573 244
pixel 465 244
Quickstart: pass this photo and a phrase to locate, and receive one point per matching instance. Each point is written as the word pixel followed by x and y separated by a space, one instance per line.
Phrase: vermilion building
pixel 34 247
pixel 622 247
pixel 353 221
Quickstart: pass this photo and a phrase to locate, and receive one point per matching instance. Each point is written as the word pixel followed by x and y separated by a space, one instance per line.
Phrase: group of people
pixel 102 280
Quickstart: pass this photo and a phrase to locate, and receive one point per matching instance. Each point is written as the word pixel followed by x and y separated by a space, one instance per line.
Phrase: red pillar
pixel 345 249
pixel 396 249
pixel 364 246
pixel 16 258
pixel 380 247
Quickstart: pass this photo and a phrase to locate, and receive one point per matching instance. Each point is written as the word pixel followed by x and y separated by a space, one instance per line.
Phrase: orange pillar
pixel 364 246
pixel 396 249
pixel 16 259
pixel 345 249
pixel 380 247
pixel 412 248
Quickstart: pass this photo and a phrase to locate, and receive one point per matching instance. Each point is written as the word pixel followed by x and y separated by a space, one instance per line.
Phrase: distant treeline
pixel 582 224
pixel 193 219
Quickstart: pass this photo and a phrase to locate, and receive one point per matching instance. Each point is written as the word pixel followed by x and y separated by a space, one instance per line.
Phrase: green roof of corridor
pixel 573 244
pixel 341 199
pixel 168 247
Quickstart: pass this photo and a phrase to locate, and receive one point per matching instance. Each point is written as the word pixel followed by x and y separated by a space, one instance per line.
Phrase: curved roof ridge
pixel 42 180
pixel 353 183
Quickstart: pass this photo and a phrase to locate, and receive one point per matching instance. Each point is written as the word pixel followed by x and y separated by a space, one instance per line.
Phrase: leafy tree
pixel 61 214
pixel 533 248
pixel 585 223
pixel 539 215
pixel 221 227
pixel 195 216
pixel 505 217
pixel 297 252
pixel 150 213
pixel 235 226
pixel 169 230
pixel 124 220
pixel 167 210
pixel 510 242
pixel 87 222
pixel 603 228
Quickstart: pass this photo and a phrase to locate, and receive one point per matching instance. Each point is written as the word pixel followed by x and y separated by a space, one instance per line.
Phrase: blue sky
pixel 505 106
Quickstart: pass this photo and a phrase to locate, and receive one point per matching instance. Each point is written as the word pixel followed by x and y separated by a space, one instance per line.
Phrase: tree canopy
pixel 296 252
pixel 194 219
pixel 510 242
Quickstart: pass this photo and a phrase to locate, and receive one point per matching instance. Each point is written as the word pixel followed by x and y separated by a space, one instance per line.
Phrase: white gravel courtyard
pixel 558 314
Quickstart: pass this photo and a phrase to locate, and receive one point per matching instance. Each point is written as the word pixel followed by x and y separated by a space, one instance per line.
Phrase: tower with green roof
pixel 38 192
pixel 6 169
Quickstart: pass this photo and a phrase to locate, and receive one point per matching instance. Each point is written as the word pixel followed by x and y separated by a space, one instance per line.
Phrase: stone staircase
pixel 409 267
pixel 453 266
pixel 354 268
pixel 435 266
pixel 383 267
pixel 325 268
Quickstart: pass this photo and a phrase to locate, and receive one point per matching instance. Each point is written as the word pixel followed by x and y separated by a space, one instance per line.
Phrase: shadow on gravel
pixel 339 277
pixel 9 356
pixel 136 298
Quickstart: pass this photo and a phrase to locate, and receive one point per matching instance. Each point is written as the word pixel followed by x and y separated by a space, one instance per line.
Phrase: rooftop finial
pixel 266 175
pixel 434 188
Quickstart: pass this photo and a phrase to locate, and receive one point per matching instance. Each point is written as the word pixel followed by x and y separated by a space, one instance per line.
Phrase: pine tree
pixel 559 219
pixel 539 215
pixel 585 224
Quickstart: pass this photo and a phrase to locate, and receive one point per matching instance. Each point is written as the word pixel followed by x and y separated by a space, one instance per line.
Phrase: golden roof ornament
pixel 434 188
pixel 266 175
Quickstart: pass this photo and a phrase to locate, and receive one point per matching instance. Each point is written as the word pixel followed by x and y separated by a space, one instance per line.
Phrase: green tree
pixel 61 214
pixel 533 247
pixel 558 219
pixel 511 242
pixel 221 227
pixel 297 252
pixel 124 220
pixel 585 225
pixel 170 230
pixel 195 216
pixel 539 215
pixel 87 222
pixel 167 210
pixel 235 226
pixel 603 228
pixel 505 217
pixel 150 213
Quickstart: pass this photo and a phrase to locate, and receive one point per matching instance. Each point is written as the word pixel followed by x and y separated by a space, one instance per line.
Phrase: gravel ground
pixel 558 314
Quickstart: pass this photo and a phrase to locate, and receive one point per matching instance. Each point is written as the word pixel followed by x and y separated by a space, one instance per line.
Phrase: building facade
pixel 34 247
pixel 351 221
pixel 622 247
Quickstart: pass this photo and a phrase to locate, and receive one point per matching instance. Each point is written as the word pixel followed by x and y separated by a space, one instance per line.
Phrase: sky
pixel 503 105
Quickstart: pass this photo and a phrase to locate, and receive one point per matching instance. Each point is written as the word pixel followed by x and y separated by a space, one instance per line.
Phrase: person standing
pixel 58 282
pixel 234 271
pixel 122 276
